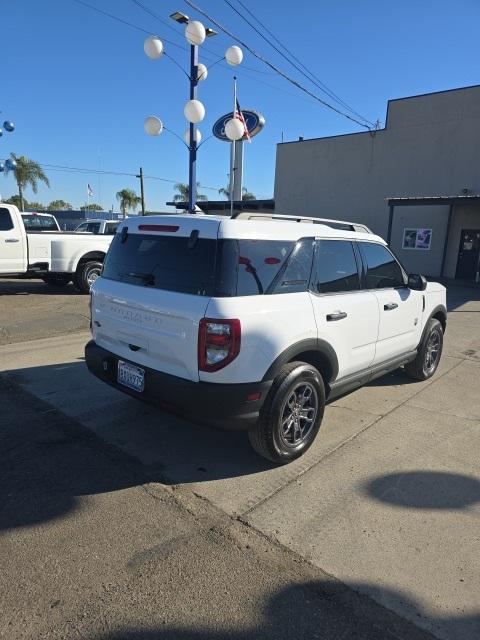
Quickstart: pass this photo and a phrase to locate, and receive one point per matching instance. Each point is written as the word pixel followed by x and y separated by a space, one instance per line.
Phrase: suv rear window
pixel 209 267
pixel 36 223
pixel 162 262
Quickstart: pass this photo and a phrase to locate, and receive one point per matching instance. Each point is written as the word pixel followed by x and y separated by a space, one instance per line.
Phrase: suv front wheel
pixel 291 415
pixel 429 353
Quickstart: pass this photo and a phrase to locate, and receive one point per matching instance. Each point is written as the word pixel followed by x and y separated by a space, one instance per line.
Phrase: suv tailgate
pixel 155 289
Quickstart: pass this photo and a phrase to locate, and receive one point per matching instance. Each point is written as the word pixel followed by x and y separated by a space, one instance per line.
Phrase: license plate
pixel 131 376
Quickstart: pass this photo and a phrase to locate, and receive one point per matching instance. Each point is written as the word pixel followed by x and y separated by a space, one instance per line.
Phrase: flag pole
pixel 232 149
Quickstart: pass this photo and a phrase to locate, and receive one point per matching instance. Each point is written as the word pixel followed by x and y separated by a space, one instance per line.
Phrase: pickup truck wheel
pixel 291 415
pixel 429 353
pixel 57 279
pixel 86 274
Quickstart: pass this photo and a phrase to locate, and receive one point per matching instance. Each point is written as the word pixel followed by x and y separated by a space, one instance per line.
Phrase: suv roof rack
pixel 335 224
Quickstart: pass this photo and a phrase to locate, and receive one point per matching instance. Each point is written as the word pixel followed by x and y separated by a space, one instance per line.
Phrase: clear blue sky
pixel 78 85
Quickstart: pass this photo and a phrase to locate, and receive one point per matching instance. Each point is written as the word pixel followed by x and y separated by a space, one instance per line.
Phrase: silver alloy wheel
pixel 298 414
pixel 432 352
pixel 92 274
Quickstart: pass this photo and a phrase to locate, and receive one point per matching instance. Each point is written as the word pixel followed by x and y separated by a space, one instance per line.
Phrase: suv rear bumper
pixel 220 405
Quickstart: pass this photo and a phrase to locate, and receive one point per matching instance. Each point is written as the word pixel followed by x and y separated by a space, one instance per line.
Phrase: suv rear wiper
pixel 148 278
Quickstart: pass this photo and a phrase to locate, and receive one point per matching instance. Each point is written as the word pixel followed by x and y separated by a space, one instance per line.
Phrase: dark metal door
pixel 469 254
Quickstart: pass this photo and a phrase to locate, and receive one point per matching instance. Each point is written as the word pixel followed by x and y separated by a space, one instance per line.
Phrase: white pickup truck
pixel 56 258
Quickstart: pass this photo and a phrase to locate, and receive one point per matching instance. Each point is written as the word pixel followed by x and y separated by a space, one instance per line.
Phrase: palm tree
pixel 184 192
pixel 128 200
pixel 246 195
pixel 27 173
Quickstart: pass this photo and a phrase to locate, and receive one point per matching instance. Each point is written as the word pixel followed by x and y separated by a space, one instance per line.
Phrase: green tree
pixel 15 199
pixel 246 195
pixel 128 201
pixel 28 173
pixel 59 205
pixel 35 206
pixel 91 207
pixel 183 192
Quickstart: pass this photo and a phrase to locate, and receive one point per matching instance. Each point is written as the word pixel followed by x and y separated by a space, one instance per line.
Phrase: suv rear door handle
pixel 337 315
pixel 390 306
pixel 12 240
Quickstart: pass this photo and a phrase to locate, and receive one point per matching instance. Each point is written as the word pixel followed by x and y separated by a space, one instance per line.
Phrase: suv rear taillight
pixel 218 343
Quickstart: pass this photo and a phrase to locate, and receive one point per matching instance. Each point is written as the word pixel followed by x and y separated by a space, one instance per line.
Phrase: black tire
pixel 429 352
pixel 267 437
pixel 57 279
pixel 86 274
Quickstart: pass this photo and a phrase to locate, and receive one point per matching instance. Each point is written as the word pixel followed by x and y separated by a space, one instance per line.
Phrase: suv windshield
pixel 209 267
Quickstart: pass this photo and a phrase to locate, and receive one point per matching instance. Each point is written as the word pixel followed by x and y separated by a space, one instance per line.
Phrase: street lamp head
pixel 153 126
pixel 234 129
pixel 195 32
pixel 153 47
pixel 1 133
pixel 10 164
pixel 186 137
pixel 202 72
pixel 8 126
pixel 2 167
pixel 234 55
pixel 194 111
pixel 180 17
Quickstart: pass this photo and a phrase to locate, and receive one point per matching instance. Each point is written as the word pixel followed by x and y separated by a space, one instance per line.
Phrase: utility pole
pixel 142 193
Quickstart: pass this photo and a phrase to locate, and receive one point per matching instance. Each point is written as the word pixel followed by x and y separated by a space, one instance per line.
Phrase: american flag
pixel 89 191
pixel 241 117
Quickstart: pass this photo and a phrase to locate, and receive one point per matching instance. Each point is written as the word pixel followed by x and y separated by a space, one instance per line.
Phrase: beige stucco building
pixel 416 182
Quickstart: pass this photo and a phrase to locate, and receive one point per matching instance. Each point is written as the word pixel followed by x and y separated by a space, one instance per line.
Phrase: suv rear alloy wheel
pixel 429 352
pixel 292 414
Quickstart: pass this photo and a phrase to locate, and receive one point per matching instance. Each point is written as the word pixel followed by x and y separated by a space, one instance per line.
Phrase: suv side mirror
pixel 417 282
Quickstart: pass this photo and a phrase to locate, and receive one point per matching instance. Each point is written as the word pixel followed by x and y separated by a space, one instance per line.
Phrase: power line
pixel 165 23
pixel 300 66
pixel 275 68
pixel 83 170
pixel 223 66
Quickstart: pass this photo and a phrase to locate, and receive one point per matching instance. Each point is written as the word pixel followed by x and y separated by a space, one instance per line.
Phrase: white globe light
pixel 195 32
pixel 234 55
pixel 186 136
pixel 153 126
pixel 153 47
pixel 194 111
pixel 234 129
pixel 202 72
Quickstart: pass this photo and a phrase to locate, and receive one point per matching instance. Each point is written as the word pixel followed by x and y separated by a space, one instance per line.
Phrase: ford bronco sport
pixel 255 322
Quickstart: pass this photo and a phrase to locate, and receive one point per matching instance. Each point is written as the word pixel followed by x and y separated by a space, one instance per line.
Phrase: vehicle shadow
pixel 459 294
pixel 425 490
pixel 324 610
pixel 9 287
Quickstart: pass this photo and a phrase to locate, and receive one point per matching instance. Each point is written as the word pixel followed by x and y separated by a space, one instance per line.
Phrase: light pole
pixel 194 110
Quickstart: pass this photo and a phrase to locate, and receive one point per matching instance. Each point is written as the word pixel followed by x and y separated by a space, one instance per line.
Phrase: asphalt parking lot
pixel 375 532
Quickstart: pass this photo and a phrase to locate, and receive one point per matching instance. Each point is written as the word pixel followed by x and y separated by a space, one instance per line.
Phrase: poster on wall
pixel 417 239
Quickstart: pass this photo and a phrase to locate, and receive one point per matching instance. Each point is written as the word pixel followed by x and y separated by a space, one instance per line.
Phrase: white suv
pixel 255 322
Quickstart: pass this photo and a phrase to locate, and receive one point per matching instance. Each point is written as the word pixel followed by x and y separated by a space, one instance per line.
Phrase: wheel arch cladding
pixel 318 353
pixel 440 314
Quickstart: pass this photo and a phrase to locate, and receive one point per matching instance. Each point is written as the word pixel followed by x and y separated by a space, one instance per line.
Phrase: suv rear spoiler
pixel 335 224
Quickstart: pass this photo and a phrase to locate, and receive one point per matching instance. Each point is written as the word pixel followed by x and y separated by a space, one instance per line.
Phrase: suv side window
pixel 5 220
pixel 382 270
pixel 336 268
pixel 295 275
